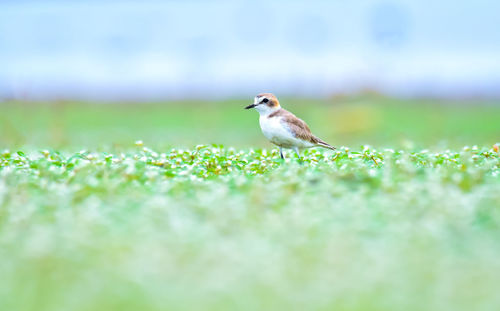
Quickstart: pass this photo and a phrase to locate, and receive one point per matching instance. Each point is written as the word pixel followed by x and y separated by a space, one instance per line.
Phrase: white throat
pixel 263 109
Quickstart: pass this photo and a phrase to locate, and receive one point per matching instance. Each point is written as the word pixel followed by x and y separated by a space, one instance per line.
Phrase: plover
pixel 282 127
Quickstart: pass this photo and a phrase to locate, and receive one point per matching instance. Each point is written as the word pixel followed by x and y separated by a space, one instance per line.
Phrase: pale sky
pixel 161 49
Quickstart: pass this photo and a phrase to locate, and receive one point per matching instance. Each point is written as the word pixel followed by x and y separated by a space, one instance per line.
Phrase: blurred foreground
pixel 225 229
pixel 348 121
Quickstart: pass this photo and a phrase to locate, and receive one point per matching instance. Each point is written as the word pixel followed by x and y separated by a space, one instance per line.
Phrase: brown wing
pixel 298 127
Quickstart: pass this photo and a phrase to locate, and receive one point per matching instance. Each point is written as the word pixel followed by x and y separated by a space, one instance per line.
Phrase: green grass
pixel 217 228
pixel 380 122
pixel 205 216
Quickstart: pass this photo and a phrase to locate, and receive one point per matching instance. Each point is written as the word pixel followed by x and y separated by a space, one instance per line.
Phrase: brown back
pixel 298 127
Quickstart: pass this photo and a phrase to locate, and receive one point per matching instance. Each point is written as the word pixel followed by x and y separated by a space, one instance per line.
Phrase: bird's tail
pixel 323 144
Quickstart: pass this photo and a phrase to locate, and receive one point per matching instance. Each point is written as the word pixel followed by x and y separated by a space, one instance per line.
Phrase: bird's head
pixel 265 103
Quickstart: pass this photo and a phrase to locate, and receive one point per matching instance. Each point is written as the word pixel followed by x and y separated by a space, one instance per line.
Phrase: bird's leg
pixel 296 149
pixel 281 153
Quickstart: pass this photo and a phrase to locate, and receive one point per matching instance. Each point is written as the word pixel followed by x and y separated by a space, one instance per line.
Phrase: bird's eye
pixel 265 100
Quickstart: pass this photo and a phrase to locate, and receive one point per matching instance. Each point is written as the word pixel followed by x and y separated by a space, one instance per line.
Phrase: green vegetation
pixel 91 221
pixel 378 121
pixel 216 228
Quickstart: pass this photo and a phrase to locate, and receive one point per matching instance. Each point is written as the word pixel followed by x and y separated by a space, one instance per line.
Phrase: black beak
pixel 250 106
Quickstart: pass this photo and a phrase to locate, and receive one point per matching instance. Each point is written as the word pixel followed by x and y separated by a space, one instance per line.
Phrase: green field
pixel 202 214
pixel 351 121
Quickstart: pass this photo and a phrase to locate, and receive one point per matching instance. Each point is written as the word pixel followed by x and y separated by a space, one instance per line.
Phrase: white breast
pixel 279 134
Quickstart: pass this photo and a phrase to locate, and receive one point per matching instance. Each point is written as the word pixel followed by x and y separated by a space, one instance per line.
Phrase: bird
pixel 283 128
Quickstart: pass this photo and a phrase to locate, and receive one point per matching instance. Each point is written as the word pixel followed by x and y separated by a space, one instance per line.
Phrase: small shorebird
pixel 282 127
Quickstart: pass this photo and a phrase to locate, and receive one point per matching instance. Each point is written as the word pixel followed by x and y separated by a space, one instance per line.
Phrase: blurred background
pixel 385 73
